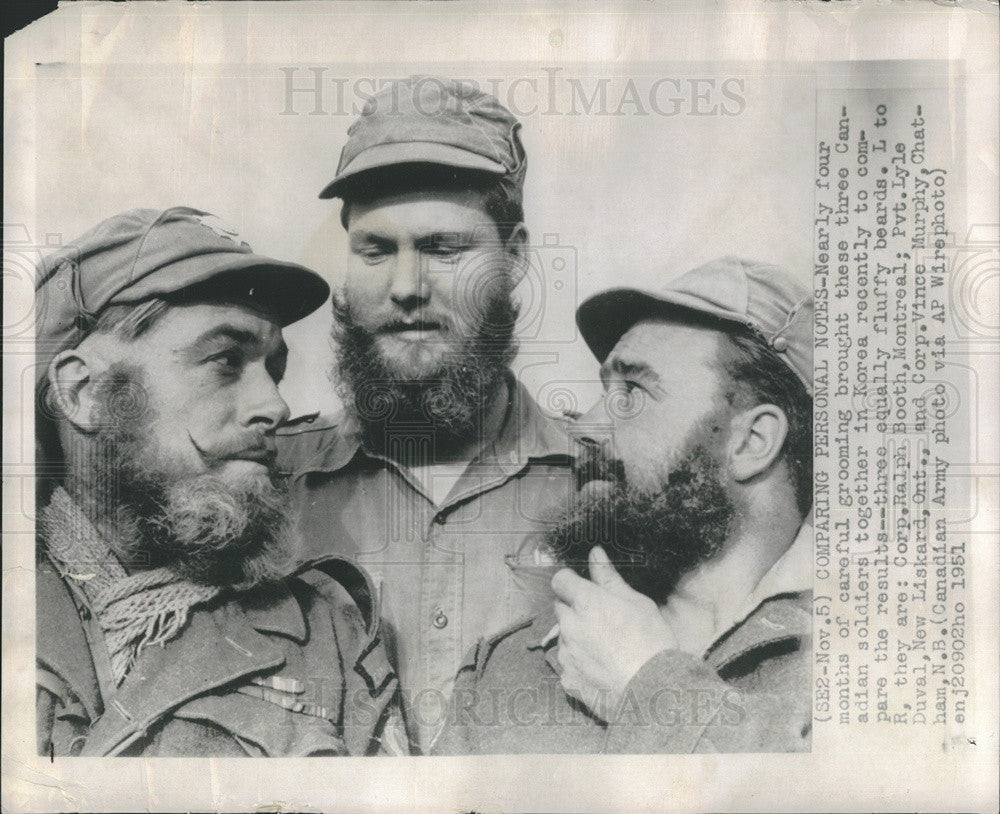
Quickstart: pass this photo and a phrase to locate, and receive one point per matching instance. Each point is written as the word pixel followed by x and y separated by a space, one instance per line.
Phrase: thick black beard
pixel 446 408
pixel 653 539
pixel 202 528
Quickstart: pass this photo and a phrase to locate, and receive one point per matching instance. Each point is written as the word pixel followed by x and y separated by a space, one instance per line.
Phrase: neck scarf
pixel 133 610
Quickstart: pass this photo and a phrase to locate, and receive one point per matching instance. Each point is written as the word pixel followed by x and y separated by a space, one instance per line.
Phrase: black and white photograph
pixel 555 407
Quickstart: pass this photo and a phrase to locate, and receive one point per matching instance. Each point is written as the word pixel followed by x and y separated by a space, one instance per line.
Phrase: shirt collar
pixel 527 434
pixel 790 574
pixel 344 444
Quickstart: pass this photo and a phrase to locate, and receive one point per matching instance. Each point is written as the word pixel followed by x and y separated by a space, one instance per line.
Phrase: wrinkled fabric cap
pixel 146 253
pixel 431 120
pixel 759 296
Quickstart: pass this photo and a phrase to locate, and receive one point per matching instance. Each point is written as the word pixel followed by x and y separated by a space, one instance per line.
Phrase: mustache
pixel 420 324
pixel 250 446
pixel 392 321
pixel 595 462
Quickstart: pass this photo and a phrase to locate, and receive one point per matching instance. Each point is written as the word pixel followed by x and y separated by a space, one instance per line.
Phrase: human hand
pixel 607 632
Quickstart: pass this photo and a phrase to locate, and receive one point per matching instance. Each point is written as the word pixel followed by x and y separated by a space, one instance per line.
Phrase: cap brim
pixel 411 152
pixel 288 291
pixel 604 318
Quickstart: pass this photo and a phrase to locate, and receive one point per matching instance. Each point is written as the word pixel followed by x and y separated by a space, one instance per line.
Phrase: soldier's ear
pixel 72 376
pixel 517 247
pixel 755 441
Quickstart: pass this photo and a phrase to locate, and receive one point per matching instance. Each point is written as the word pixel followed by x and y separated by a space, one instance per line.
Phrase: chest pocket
pixel 529 576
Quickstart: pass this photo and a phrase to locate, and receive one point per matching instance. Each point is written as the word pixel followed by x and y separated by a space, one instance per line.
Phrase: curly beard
pixel 653 538
pixel 446 406
pixel 208 530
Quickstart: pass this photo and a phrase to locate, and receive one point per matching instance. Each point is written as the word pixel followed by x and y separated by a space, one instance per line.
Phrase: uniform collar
pixel 527 434
pixel 790 574
pixel 476 657
pixel 544 637
pixel 61 642
pixel 782 617
pixel 541 627
pixel 275 610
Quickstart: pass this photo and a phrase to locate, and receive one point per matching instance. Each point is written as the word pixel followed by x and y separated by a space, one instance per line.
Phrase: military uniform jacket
pixel 294 670
pixel 449 573
pixel 750 692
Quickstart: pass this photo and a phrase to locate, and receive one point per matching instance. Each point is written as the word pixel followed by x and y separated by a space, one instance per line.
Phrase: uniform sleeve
pixel 678 704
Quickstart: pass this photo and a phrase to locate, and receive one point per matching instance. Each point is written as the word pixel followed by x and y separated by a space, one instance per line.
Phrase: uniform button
pixel 780 344
pixel 439 621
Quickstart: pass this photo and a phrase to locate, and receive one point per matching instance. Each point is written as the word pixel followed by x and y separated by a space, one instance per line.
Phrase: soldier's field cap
pixel 431 120
pixel 758 296
pixel 146 253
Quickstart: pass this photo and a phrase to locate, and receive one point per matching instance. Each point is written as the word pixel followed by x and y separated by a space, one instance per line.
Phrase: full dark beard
pixel 656 538
pixel 447 407
pixel 204 528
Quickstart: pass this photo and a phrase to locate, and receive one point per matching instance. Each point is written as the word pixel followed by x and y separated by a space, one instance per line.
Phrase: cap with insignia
pixel 147 253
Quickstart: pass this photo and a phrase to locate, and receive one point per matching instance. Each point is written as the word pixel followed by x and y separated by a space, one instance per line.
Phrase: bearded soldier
pixel 169 621
pixel 439 473
pixel 693 633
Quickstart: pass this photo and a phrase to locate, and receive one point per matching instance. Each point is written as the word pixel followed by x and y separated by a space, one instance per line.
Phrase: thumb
pixel 603 573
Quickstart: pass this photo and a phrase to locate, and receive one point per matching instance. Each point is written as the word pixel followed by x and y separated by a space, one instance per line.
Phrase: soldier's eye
pixel 444 251
pixel 227 361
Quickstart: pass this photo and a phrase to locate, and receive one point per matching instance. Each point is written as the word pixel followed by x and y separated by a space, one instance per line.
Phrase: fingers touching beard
pixel 653 538
pixel 215 532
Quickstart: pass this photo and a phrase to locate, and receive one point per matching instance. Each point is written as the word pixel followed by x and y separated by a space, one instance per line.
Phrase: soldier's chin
pixel 224 531
pixel 413 358
pixel 244 474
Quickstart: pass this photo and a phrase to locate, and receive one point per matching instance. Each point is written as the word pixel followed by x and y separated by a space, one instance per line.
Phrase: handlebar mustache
pixel 248 447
